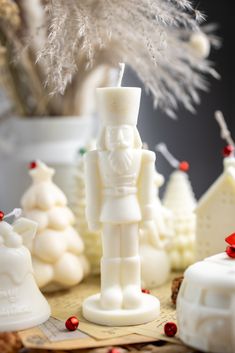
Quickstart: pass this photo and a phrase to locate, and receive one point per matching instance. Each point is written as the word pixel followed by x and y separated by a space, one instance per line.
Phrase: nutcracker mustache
pixel 120 160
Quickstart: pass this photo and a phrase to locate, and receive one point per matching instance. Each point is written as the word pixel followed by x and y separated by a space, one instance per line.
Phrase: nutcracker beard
pixel 120 160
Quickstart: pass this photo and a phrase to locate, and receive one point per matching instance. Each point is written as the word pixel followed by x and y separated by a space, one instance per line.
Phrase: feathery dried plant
pixel 23 32
pixel 149 35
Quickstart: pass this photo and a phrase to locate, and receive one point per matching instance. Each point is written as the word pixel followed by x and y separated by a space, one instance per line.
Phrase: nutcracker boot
pixel 111 292
pixel 131 282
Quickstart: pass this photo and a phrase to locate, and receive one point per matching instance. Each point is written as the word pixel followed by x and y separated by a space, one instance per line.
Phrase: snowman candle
pixel 120 194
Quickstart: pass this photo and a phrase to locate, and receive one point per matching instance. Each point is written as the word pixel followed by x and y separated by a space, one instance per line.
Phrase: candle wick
pixel 162 148
pixel 16 213
pixel 224 131
pixel 121 73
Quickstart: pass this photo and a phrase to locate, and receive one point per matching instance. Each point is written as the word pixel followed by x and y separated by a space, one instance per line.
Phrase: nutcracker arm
pixel 147 188
pixel 93 190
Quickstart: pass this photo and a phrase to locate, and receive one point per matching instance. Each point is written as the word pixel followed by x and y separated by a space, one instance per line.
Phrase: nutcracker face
pixel 119 137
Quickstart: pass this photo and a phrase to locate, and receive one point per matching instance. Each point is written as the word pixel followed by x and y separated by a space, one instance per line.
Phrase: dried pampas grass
pixel 152 36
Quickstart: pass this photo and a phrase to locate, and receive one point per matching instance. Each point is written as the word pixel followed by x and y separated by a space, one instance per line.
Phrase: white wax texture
pixel 57 250
pixel 179 198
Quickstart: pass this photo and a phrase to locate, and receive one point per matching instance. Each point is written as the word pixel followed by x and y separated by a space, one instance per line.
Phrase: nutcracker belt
pixel 120 191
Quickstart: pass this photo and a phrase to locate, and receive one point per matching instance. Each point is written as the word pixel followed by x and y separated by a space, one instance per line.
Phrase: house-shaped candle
pixel 216 209
pixel 216 213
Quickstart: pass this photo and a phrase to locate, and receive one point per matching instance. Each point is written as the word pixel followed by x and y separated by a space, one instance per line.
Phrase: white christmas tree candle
pixel 216 209
pixel 21 303
pixel 57 249
pixel 179 198
pixel 120 194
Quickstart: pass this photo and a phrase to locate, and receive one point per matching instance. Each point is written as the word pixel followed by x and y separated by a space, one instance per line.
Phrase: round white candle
pixel 205 305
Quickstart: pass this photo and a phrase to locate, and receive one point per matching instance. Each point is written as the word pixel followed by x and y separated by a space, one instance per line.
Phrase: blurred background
pixel 196 138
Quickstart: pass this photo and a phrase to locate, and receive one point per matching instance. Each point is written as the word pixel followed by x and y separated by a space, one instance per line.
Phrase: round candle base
pixel 148 311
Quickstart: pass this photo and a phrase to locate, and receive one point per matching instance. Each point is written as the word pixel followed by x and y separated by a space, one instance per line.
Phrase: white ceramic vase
pixel 54 140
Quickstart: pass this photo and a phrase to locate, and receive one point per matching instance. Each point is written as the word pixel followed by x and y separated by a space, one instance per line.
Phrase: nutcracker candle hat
pixel 22 305
pixel 118 105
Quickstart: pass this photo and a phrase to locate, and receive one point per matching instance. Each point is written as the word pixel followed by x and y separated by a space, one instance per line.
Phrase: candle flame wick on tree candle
pixel 121 73
pixel 224 131
pixel 162 148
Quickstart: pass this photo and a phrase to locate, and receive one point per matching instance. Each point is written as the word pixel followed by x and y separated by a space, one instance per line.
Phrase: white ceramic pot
pixel 54 140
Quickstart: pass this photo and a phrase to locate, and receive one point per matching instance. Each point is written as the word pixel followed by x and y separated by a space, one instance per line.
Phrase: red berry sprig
pixel 32 165
pixel 146 291
pixel 1 215
pixel 228 150
pixel 170 329
pixel 184 166
pixel 230 250
pixel 72 323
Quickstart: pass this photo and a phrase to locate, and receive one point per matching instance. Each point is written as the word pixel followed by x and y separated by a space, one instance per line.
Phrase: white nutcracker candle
pixel 120 194
pixel 205 303
pixel 216 209
pixel 179 198
pixel 21 303
pixel 57 249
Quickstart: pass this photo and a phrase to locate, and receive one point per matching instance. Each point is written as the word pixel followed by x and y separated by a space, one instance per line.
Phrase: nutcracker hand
pixel 94 226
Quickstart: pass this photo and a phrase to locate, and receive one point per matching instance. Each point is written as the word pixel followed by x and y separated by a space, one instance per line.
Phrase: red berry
pixel 146 291
pixel 32 165
pixel 184 166
pixel 228 150
pixel 170 329
pixel 72 323
pixel 113 350
pixel 230 250
pixel 230 239
pixel 1 215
